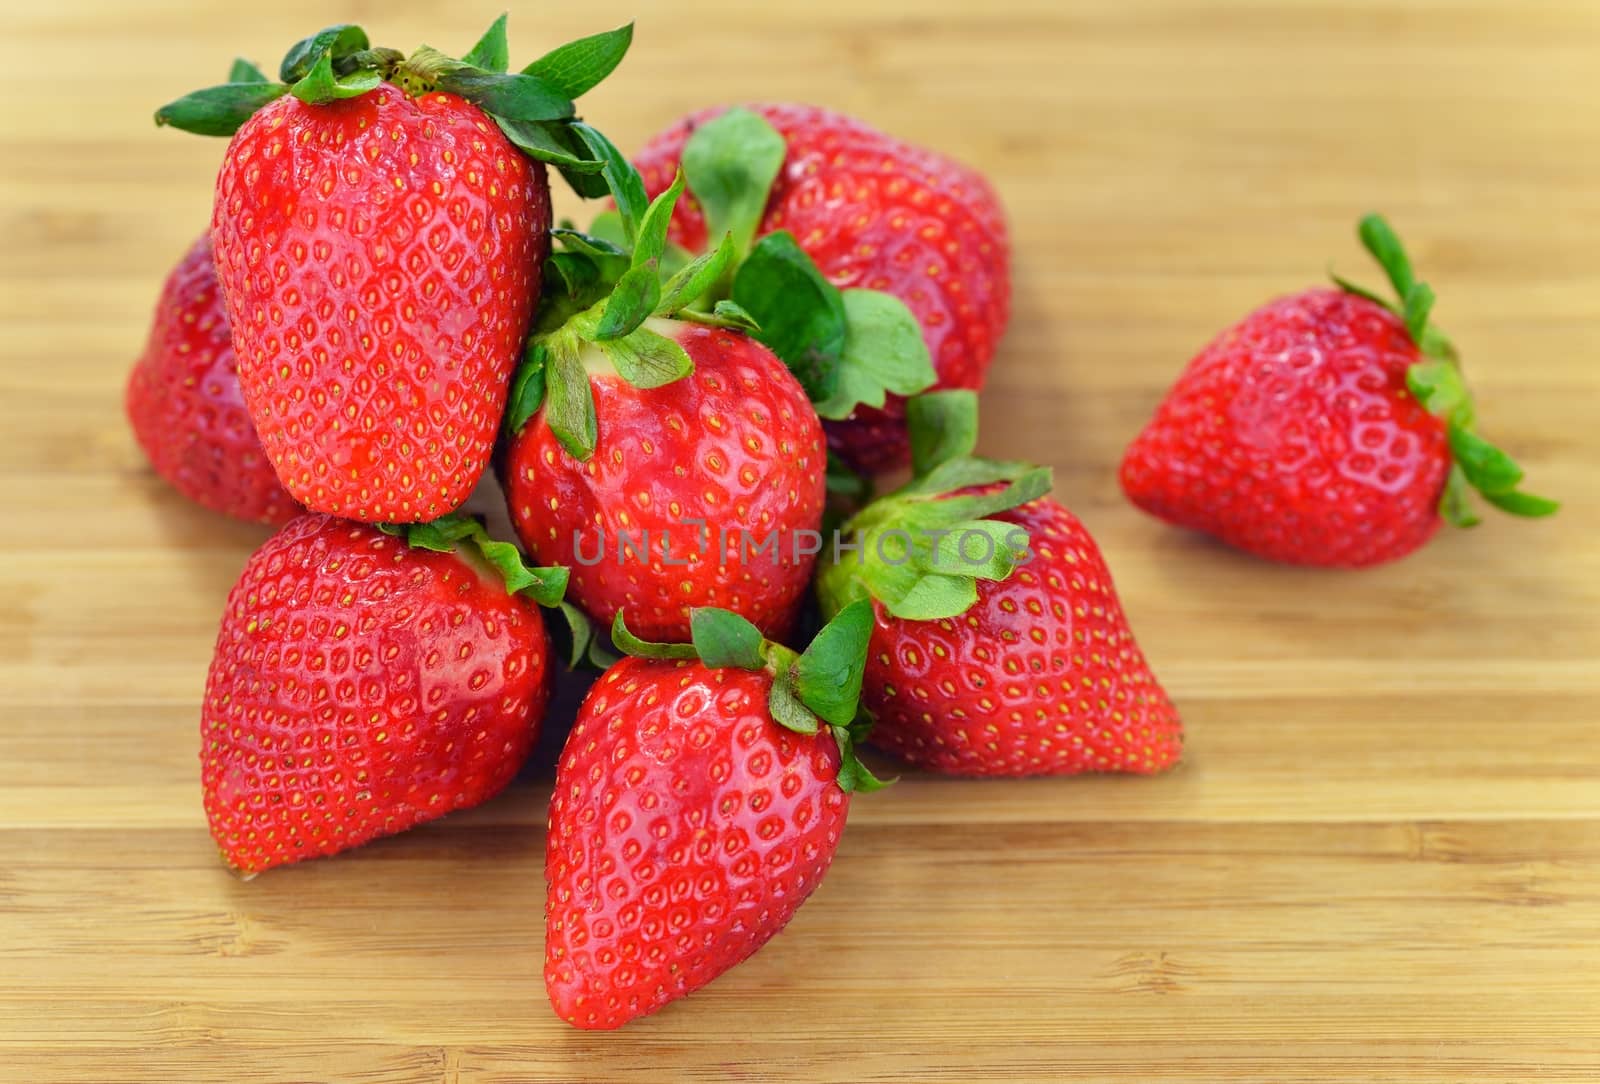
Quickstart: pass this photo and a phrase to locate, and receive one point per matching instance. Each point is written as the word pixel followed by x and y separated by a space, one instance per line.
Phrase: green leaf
pixel 440 535
pixel 608 228
pixel 243 71
pixel 1523 504
pixel 527 387
pixel 1381 240
pixel 723 638
pixel 623 181
pixel 1455 504
pixel 1360 291
pixel 569 398
pixel 544 141
pixel 883 352
pixel 854 776
pixel 630 303
pixel 726 314
pixel 943 426
pixel 336 42
pixel 1487 468
pixel 1418 304
pixel 1438 386
pixel 1437 344
pixel 575 271
pixel 1029 484
pixel 647 359
pixel 984 549
pixel 546 586
pixel 590 244
pixel 514 97
pixel 674 258
pixel 651 239
pixel 630 644
pixel 578 66
pixel 731 162
pixel 492 53
pixel 579 634
pixel 220 110
pixel 320 85
pixel 827 676
pixel 785 706
pixel 802 314
pixel 932 597
pixel 698 276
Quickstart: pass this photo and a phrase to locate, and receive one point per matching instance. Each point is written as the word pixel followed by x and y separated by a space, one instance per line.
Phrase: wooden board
pixel 1381 861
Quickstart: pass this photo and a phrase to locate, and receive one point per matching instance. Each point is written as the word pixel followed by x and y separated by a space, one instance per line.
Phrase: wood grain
pixel 1381 860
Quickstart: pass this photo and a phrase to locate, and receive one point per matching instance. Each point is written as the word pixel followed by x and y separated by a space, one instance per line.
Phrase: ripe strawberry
pixel 670 463
pixel 875 212
pixel 184 404
pixel 379 239
pixel 1327 428
pixel 698 802
pixel 999 647
pixel 363 684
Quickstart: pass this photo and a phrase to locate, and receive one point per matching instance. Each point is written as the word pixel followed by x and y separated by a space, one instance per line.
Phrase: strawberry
pixel 871 211
pixel 364 683
pixel 698 803
pixel 999 647
pixel 1329 427
pixel 184 404
pixel 379 239
pixel 662 453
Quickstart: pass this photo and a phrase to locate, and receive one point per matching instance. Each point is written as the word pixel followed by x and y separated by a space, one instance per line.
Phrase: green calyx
pixel 921 550
pixel 1437 383
pixel 449 534
pixel 818 687
pixel 533 107
pixel 465 536
pixel 607 301
pixel 848 348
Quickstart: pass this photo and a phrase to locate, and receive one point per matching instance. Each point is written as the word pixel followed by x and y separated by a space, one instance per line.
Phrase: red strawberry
pixel 735 445
pixel 184 404
pixel 362 685
pixel 379 256
pixel 875 212
pixel 670 464
pixel 1327 428
pixel 379 245
pixel 697 804
pixel 999 646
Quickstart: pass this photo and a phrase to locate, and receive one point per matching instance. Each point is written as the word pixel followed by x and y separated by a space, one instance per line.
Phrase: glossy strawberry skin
pixel 185 408
pixel 875 212
pixel 1292 436
pixel 380 257
pixel 686 828
pixel 735 444
pixel 1040 677
pixel 358 688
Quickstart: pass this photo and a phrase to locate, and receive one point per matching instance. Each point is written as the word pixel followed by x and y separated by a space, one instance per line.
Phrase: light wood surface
pixel 1381 860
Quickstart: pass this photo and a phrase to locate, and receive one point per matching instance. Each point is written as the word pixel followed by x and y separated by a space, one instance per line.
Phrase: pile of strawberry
pixel 779 305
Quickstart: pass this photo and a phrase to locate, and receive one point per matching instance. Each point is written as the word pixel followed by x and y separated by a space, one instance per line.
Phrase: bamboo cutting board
pixel 1381 859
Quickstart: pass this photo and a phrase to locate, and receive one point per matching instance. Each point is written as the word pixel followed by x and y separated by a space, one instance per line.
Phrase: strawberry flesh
pixel 360 687
pixel 686 828
pixel 1292 436
pixel 185 407
pixel 380 257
